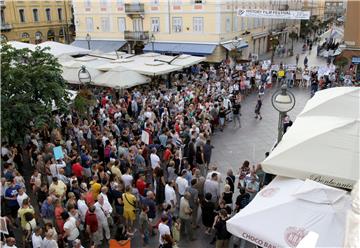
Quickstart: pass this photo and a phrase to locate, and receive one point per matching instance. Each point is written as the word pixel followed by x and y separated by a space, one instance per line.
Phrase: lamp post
pixel 283 101
pixel 88 39
pixel 84 76
pixel 152 40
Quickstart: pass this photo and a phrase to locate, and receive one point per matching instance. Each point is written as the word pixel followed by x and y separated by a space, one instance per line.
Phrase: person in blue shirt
pixel 10 197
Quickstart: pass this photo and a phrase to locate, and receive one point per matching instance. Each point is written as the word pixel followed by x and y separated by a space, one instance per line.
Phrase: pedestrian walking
pixel 306 60
pixel 257 108
pixel 236 112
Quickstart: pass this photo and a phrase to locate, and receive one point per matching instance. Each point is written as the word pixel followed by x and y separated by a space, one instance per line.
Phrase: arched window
pixel 25 37
pixel 38 37
pixel 51 35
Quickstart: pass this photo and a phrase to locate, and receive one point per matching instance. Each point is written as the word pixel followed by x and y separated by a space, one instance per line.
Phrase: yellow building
pixel 36 21
pixel 316 8
pixel 198 27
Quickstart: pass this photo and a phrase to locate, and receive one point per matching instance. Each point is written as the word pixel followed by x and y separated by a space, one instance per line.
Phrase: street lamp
pixel 283 101
pixel 236 42
pixel 84 75
pixel 152 40
pixel 88 39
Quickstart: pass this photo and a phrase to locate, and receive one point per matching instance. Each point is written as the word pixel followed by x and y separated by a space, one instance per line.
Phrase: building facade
pixel 316 8
pixel 352 35
pixel 37 21
pixel 197 27
pixel 334 9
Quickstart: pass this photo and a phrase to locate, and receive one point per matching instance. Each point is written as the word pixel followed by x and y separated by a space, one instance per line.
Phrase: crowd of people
pixel 136 164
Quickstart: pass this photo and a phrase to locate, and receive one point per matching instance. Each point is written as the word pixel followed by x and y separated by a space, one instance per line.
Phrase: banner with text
pixel 274 14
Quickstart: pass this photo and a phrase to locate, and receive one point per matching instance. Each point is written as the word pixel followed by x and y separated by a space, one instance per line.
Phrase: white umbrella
pixel 323 144
pixel 71 74
pixel 120 77
pixel 285 211
pixel 338 102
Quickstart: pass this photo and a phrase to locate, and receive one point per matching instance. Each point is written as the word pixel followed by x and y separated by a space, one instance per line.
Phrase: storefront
pixel 25 37
pixel 38 37
pixel 355 60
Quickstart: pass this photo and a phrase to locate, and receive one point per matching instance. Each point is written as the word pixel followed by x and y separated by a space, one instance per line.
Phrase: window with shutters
pixel 177 24
pixel 105 24
pixel 198 24
pixel 89 24
pixel 227 24
pixel 155 24
pixel 121 24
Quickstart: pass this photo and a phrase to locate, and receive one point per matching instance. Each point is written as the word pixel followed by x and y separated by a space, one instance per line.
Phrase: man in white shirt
pixel 182 183
pixel 163 228
pixel 212 186
pixel 21 196
pixel 56 166
pixel 214 170
pixel 106 204
pixel 127 177
pixel 36 238
pixel 170 195
pixel 82 207
pixel 154 159
pixel 102 217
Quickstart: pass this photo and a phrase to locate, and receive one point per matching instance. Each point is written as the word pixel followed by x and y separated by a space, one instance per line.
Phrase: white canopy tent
pixel 334 33
pixel 57 49
pixel 21 45
pixel 285 211
pixel 120 77
pixel 323 144
pixel 71 74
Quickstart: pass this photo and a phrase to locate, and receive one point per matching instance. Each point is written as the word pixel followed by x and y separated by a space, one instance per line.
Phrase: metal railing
pixel 6 26
pixel 134 8
pixel 136 35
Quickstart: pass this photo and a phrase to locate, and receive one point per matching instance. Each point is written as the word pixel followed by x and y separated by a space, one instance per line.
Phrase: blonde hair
pixel 227 188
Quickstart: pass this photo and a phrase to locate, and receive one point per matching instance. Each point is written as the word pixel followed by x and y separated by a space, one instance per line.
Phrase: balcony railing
pixel 136 35
pixel 6 26
pixel 2 3
pixel 284 7
pixel 134 8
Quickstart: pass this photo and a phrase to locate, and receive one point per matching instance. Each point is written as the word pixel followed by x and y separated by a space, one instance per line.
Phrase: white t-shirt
pixel 21 198
pixel 70 225
pixel 83 208
pixel 170 194
pixel 36 240
pixel 127 179
pixel 154 160
pixel 163 229
pixel 182 184
pixel 49 243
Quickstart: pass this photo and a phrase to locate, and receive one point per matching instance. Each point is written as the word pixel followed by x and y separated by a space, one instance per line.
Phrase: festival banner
pixel 274 14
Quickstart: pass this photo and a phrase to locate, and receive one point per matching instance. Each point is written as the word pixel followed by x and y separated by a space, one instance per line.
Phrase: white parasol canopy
pixel 285 211
pixel 334 33
pixel 323 144
pixel 71 74
pixel 341 102
pixel 120 77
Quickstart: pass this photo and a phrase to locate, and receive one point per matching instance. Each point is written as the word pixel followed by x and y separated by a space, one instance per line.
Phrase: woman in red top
pixel 58 219
pixel 77 169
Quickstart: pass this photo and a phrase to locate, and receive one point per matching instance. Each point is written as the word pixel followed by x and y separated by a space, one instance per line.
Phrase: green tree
pixel 83 101
pixel 341 62
pixel 31 83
